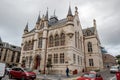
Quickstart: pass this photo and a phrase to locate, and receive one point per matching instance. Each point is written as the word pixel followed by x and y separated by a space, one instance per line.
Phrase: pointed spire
pixel 43 16
pixel 54 13
pixel 38 20
pixel 26 28
pixel 69 11
pixel 0 40
pixel 46 16
pixel 94 22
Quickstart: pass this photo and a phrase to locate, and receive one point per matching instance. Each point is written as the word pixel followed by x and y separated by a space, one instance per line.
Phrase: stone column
pixel 36 40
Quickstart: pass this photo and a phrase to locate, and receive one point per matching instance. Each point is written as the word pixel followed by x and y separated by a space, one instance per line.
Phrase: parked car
pixel 21 73
pixel 2 70
pixel 118 75
pixel 114 69
pixel 90 76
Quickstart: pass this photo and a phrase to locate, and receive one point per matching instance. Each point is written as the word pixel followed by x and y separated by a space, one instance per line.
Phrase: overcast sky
pixel 14 14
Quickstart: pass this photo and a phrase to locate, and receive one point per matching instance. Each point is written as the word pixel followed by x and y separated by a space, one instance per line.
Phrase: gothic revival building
pixel 9 54
pixel 61 43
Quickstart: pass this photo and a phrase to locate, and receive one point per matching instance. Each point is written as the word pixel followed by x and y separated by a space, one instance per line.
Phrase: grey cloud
pixel 14 15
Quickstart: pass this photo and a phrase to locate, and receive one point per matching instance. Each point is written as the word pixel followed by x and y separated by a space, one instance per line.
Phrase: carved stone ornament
pixel 70 35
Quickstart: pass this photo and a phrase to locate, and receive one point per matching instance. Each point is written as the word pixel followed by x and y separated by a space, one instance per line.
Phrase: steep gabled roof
pixel 92 29
pixel 59 22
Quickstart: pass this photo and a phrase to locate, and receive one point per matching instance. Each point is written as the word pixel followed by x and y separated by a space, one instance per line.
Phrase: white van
pixel 2 70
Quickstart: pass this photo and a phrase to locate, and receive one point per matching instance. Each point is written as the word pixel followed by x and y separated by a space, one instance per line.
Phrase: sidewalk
pixel 57 77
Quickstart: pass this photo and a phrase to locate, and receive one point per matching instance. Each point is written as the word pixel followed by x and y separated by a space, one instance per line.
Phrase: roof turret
pixel 38 20
pixel 69 12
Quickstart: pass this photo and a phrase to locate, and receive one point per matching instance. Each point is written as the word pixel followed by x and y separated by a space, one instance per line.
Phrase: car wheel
pixel 23 78
pixel 10 76
pixel 0 78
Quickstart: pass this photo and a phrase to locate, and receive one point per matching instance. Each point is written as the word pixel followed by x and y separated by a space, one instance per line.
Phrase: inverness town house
pixel 58 43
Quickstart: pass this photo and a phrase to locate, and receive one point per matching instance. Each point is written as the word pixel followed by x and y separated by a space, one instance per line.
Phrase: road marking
pixel 113 78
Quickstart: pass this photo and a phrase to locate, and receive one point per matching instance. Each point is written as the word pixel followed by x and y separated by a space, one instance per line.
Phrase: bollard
pixel 59 77
pixel 45 77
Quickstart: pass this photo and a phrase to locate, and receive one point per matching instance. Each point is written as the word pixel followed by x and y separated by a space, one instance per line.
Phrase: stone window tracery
pixel 55 58
pixel 56 40
pixel 74 58
pixel 62 40
pixel 61 57
pixel 51 41
pixel 89 47
pixel 91 63
pixel 40 43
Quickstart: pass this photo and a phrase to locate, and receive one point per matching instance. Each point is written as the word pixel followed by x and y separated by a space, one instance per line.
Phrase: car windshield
pixel 89 75
pixel 28 69
pixel 114 67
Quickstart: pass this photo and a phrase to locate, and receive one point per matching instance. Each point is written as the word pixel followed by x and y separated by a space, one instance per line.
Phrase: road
pixel 113 78
pixel 105 74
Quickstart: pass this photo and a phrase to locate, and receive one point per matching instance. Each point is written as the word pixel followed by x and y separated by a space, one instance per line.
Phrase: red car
pixel 90 76
pixel 21 73
pixel 118 75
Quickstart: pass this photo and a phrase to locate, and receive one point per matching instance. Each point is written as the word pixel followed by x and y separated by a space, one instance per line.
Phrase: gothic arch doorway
pixel 37 60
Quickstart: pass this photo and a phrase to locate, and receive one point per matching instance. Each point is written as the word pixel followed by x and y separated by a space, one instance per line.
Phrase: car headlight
pixel 27 74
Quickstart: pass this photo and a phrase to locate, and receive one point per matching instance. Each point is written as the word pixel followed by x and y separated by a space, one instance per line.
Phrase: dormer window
pixel 88 33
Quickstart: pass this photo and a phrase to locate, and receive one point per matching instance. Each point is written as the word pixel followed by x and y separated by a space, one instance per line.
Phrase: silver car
pixel 114 69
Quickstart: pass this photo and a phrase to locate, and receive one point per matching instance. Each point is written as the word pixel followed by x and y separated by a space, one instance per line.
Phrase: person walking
pixel 67 72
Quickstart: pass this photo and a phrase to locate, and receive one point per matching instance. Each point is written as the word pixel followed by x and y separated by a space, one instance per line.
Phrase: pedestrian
pixel 67 72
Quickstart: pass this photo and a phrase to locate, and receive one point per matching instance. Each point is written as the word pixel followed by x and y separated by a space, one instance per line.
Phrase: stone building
pixel 108 60
pixel 61 43
pixel 9 54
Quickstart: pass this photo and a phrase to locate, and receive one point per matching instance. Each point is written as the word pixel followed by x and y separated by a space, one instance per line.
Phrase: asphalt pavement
pixel 105 74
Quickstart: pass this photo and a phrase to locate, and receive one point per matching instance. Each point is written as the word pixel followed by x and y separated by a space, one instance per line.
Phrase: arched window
pixel 51 41
pixel 40 43
pixel 89 47
pixel 62 39
pixel 88 33
pixel 29 44
pixel 56 40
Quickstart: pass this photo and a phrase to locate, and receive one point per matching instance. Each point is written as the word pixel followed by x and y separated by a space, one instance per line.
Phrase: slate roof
pixel 12 47
pixel 92 29
pixel 52 23
pixel 59 22
pixel 0 40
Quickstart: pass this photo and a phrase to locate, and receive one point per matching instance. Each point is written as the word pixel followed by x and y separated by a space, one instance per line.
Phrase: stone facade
pixel 108 60
pixel 9 54
pixel 59 43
